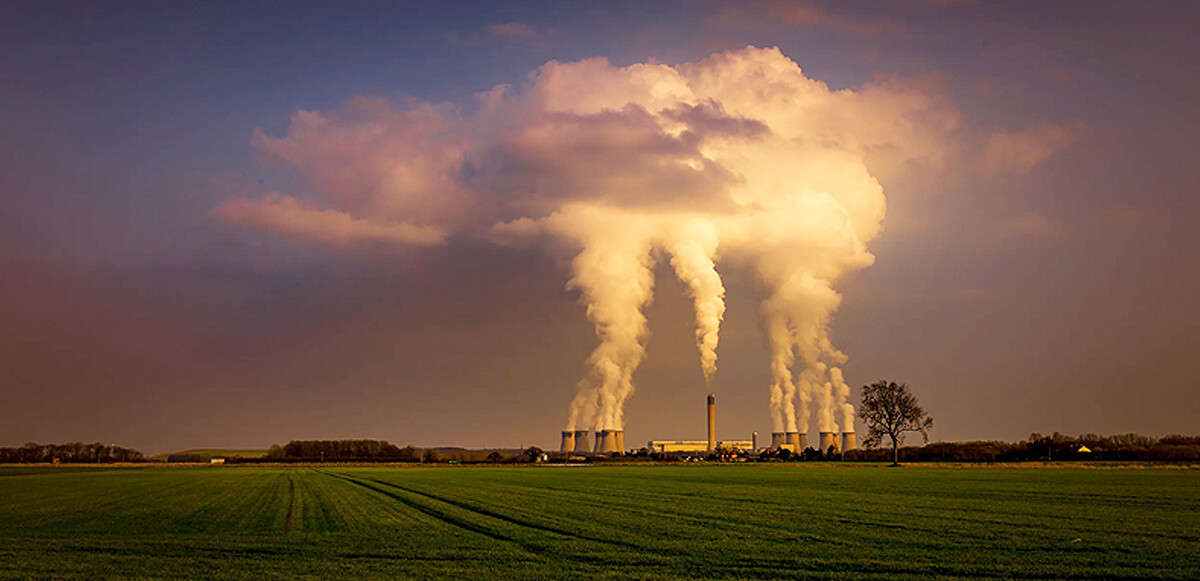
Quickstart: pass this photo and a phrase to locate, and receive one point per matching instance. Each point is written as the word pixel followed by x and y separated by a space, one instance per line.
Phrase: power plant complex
pixel 608 442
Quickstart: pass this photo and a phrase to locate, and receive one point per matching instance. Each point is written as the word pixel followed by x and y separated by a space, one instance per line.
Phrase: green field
pixel 640 522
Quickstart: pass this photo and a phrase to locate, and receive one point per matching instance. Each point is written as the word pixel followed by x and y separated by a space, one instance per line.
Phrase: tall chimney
pixel 581 442
pixel 793 438
pixel 754 442
pixel 828 439
pixel 848 442
pixel 568 441
pixel 777 440
pixel 712 422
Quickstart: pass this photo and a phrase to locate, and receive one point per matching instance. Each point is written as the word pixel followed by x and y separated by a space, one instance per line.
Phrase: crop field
pixel 619 522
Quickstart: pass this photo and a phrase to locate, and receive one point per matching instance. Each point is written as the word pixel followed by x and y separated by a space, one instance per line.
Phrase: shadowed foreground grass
pixel 632 522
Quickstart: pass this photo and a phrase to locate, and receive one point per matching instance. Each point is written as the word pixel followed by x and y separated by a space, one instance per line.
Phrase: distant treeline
pixel 383 451
pixel 71 452
pixel 1053 447
pixel 343 451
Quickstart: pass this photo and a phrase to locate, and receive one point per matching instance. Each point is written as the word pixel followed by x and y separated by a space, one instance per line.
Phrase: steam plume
pixel 738 156
pixel 693 247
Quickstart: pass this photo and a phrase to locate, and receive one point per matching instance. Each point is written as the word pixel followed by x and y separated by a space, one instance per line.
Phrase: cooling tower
pixel 568 442
pixel 848 442
pixel 712 422
pixel 828 439
pixel 803 442
pixel 606 441
pixel 777 440
pixel 620 440
pixel 581 442
pixel 793 438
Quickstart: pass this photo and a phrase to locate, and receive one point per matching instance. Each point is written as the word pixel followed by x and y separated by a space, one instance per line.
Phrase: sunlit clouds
pixel 738 158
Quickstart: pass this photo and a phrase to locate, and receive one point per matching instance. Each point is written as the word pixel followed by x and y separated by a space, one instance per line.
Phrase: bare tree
pixel 890 409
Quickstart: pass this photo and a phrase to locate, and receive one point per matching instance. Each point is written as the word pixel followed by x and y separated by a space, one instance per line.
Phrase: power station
pixel 608 442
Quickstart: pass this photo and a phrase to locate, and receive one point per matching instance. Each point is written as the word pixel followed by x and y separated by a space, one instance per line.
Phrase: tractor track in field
pixel 404 495
pixel 287 522
pixel 431 511
pixel 508 519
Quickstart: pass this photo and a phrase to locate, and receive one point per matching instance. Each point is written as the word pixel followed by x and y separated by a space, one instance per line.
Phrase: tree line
pixel 71 453
pixel 1057 446
pixel 343 451
pixel 384 451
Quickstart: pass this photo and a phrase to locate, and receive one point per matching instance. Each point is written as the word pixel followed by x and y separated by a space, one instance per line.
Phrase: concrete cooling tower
pixel 848 442
pixel 828 440
pixel 581 442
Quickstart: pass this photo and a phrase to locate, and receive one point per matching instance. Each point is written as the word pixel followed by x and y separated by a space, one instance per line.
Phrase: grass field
pixel 639 522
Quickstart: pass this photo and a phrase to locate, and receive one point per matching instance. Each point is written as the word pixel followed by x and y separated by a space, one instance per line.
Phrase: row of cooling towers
pixel 609 441
pixel 799 441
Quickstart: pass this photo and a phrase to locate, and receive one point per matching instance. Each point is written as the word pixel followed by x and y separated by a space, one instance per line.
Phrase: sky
pixel 240 224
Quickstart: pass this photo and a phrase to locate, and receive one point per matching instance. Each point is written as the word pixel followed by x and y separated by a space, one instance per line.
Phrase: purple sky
pixel 1044 278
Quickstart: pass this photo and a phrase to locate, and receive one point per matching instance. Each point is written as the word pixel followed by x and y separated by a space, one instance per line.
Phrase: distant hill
pixel 205 453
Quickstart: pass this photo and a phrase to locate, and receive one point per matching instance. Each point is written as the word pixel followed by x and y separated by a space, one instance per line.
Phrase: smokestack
pixel 777 440
pixel 620 440
pixel 754 442
pixel 568 441
pixel 848 442
pixel 803 442
pixel 828 439
pixel 581 442
pixel 712 422
pixel 793 438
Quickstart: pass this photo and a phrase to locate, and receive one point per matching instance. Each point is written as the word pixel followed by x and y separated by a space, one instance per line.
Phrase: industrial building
pixel 696 446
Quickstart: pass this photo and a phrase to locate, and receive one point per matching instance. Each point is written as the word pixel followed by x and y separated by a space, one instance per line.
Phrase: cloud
pixel 793 13
pixel 293 217
pixel 737 158
pixel 1031 227
pixel 1019 152
pixel 519 31
pixel 803 14
pixel 503 32
pixel 1059 75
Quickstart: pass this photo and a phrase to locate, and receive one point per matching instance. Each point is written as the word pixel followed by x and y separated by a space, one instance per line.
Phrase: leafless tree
pixel 890 409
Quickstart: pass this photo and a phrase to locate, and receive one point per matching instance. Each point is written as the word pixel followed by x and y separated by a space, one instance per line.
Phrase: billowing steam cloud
pixel 738 158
